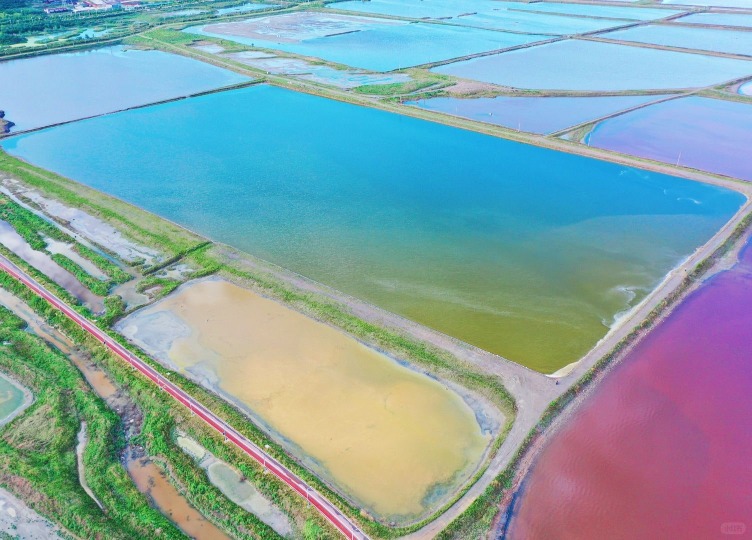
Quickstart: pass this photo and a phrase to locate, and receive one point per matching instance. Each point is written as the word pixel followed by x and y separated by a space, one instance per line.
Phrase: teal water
pixel 591 10
pixel 713 3
pixel 592 66
pixel 705 39
pixel 11 398
pixel 522 21
pixel 526 252
pixel 376 45
pixel 45 90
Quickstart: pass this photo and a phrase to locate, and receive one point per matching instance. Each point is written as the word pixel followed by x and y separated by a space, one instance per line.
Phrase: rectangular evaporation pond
pixel 707 134
pixel 719 19
pixel 372 44
pixel 704 39
pixel 418 9
pixel 520 250
pixel 534 114
pixel 591 10
pixel 50 89
pixel 712 3
pixel 521 21
pixel 593 66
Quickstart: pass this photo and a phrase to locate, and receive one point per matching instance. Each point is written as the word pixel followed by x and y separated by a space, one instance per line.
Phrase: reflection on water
pixel 385 433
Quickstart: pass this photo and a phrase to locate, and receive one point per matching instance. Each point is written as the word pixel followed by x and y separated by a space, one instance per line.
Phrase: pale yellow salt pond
pixel 395 440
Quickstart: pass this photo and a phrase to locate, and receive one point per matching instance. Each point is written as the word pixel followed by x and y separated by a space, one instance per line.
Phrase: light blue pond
pixel 746 89
pixel 441 9
pixel 534 114
pixel 706 39
pixel 378 45
pixel 720 19
pixel 591 10
pixel 713 3
pixel 521 250
pixel 49 89
pixel 520 21
pixel 708 134
pixel 588 65
pixel 244 7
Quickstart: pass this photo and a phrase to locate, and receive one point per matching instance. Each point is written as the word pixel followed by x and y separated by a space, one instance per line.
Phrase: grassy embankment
pixel 38 449
pixel 185 243
pixel 477 519
pixel 161 421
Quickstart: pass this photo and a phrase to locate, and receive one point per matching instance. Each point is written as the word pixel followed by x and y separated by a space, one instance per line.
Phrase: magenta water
pixel 663 448
pixel 708 134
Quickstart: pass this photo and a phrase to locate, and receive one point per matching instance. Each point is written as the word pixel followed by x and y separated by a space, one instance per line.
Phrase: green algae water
pixel 525 252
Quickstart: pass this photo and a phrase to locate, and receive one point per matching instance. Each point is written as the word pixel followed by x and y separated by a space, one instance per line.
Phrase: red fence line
pixel 325 508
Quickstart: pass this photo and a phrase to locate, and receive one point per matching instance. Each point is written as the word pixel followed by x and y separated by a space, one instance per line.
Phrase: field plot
pixel 46 90
pixel 523 251
pixel 338 404
pixel 534 114
pixel 707 134
pixel 362 42
pixel 592 66
pixel 706 39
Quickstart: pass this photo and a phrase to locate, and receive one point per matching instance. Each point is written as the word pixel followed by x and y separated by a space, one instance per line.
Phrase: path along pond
pixel 525 252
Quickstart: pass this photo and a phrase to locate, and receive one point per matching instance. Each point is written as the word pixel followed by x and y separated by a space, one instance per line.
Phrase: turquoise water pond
pixel 375 45
pixel 706 39
pixel 523 251
pixel 713 3
pixel 592 66
pixel 534 114
pixel 441 9
pixel 720 19
pixel 43 90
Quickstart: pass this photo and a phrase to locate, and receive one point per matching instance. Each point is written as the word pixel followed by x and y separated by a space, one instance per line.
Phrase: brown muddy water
pixel 151 480
pixel 396 440
pixel 44 263
pixel 145 474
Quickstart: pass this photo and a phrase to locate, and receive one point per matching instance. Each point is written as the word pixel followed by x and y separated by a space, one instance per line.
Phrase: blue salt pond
pixel 521 21
pixel 366 43
pixel 46 90
pixel 244 8
pixel 591 66
pixel 746 89
pixel 535 114
pixel 713 3
pixel 706 39
pixel 454 9
pixel 591 10
pixel 707 134
pixel 523 251
pixel 720 19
